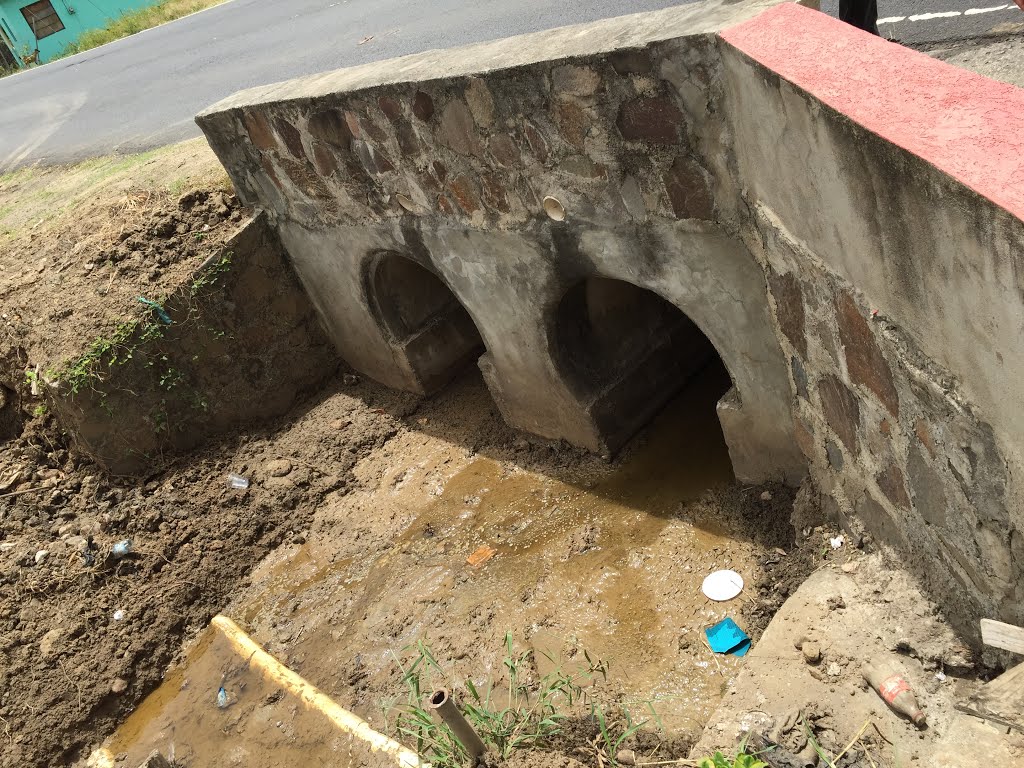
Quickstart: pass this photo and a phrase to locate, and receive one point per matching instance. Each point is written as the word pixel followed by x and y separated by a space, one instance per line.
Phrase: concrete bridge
pixel 592 214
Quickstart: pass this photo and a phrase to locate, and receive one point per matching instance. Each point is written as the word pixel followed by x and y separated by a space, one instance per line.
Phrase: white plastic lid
pixel 722 585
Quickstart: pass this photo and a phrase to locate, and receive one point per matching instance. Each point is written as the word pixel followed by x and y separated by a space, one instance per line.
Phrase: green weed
pixel 515 710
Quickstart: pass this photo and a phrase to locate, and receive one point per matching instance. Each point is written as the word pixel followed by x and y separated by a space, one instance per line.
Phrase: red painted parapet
pixel 897 93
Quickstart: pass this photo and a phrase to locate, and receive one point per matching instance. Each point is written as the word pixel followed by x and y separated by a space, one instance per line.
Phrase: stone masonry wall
pixel 515 185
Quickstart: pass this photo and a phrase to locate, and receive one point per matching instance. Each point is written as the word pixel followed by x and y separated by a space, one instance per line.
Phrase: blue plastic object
pixel 164 317
pixel 727 637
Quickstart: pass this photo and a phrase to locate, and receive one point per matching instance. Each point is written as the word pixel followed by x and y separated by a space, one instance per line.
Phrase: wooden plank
pixel 1002 699
pixel 1000 635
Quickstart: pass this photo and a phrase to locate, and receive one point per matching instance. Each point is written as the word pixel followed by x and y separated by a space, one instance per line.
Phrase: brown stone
pixel 841 410
pixel 688 190
pixel 631 62
pixel 652 119
pixel 924 434
pixel 303 177
pixel 494 192
pixel 878 521
pixel 538 144
pixel 480 101
pixel 268 168
pixel 458 131
pixel 260 134
pixel 423 106
pixel 324 160
pixel 391 108
pixel 444 205
pixel 891 483
pixel 789 308
pixel 572 122
pixel 464 189
pixel 329 126
pixel 575 81
pixel 372 130
pixel 864 359
pixel 373 160
pixel 927 487
pixel 885 427
pixel 439 170
pixel 804 438
pixel 291 137
pixel 583 166
pixel 352 123
pixel 504 150
pixel 408 141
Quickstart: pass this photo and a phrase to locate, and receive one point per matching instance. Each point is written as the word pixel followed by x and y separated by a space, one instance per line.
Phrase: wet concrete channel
pixel 607 558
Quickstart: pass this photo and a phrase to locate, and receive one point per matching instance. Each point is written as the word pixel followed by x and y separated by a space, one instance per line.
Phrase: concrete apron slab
pixel 363 745
pixel 873 611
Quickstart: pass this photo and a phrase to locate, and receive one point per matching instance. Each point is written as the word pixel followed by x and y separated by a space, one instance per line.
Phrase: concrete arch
pixel 431 335
pixel 625 351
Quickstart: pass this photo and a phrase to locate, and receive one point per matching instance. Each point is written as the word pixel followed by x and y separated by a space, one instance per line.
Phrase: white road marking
pixel 938 15
pixel 942 14
pixel 974 11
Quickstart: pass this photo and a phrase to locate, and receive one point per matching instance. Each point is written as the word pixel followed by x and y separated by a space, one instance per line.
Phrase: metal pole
pixel 444 705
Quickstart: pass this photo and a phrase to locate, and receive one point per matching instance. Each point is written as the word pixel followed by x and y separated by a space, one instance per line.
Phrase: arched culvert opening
pixel 431 333
pixel 626 352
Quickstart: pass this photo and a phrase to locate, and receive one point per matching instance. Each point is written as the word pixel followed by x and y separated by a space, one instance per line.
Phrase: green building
pixel 37 31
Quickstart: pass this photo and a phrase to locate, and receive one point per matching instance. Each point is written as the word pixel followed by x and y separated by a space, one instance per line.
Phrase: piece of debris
pixel 766 496
pixel 849 567
pixel 625 757
pixel 349 379
pixel 159 310
pixel 837 542
pixel 238 481
pixel 811 652
pixel 41 556
pixel 120 685
pixel 222 698
pixel 118 615
pixel 888 681
pixel 722 585
pixel 156 760
pixel 727 637
pixel 481 555
pixel 122 549
pixel 278 467
pixel 366 39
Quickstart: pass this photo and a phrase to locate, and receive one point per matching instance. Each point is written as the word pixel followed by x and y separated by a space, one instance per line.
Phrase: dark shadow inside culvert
pixel 428 327
pixel 626 352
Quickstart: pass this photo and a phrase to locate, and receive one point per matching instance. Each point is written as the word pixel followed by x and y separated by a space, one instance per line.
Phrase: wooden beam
pixel 1000 635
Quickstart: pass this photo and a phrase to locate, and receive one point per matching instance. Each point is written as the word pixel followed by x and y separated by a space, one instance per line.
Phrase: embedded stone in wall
pixel 292 138
pixel 799 377
pixel 458 131
pixel 329 126
pixel 464 189
pixel 652 119
pixel 804 439
pixel 789 309
pixel 572 122
pixel 391 108
pixel 631 62
pixel 891 483
pixel 324 160
pixel 688 190
pixel 864 359
pixel 423 106
pixel 841 410
pixel 538 144
pixel 575 80
pixel 480 101
pixel 260 134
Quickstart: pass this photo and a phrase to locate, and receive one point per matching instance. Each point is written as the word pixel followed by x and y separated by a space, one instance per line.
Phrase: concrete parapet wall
pixel 720 179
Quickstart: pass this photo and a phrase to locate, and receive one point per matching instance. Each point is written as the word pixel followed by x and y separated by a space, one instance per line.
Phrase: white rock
pixel 41 556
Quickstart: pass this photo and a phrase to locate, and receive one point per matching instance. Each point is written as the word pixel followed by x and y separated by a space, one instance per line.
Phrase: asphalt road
pixel 142 92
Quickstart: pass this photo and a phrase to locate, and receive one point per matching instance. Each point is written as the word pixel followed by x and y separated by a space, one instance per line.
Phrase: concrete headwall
pixel 595 211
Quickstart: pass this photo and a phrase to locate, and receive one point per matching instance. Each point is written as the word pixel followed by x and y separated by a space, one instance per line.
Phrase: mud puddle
pixel 607 558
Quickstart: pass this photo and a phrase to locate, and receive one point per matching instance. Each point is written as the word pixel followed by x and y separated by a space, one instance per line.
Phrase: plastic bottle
pixel 889 682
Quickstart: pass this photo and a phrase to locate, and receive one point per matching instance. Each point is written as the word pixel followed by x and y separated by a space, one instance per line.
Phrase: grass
pixel 517 710
pixel 135 21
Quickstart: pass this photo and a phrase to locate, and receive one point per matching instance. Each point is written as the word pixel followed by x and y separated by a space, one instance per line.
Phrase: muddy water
pixel 605 558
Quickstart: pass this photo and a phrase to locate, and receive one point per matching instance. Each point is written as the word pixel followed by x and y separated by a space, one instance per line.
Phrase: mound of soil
pixel 85 635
